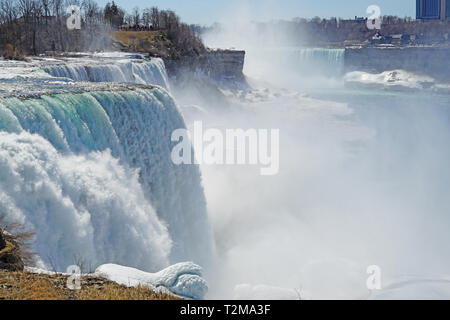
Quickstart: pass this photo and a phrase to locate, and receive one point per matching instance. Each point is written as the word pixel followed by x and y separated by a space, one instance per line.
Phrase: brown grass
pixel 155 43
pixel 30 286
pixel 128 37
pixel 113 291
pixel 11 53
pixel 23 286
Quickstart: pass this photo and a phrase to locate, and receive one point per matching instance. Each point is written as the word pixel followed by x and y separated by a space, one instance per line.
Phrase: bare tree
pixel 136 16
pixel 146 17
pixel 154 18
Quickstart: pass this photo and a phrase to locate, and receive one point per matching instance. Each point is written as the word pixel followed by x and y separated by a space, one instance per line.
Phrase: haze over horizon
pixel 207 12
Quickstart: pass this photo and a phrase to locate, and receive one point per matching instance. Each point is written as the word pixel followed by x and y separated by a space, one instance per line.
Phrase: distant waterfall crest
pixel 332 57
pixel 63 166
pixel 306 62
pixel 320 60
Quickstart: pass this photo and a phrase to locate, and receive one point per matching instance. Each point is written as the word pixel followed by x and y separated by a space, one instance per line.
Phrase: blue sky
pixel 209 11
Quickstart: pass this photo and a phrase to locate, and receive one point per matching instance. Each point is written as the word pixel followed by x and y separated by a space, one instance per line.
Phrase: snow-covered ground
pixel 183 279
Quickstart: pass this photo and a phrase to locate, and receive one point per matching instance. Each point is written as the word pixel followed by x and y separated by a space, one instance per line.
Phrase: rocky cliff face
pixel 2 240
pixel 9 254
pixel 217 64
pixel 225 64
pixel 429 61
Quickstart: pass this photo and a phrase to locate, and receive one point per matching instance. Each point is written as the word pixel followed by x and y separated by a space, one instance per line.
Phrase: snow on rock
pixel 184 279
pixel 264 292
pixel 394 79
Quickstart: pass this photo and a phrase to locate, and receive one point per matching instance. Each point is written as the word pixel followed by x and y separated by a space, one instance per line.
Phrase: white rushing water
pixel 88 168
pixel 86 205
pixel 103 70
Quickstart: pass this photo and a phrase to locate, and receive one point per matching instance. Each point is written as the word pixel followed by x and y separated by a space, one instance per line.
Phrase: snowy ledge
pixel 35 88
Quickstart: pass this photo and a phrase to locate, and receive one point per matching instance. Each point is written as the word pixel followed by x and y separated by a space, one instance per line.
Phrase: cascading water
pixel 310 62
pixel 328 61
pixel 91 172
pixel 85 206
pixel 289 66
pixel 125 71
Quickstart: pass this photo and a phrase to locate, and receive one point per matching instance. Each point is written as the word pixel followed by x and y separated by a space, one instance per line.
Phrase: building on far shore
pixel 433 9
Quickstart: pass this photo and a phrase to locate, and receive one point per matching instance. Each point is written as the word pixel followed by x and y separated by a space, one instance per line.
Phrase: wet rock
pixel 2 240
pixel 9 254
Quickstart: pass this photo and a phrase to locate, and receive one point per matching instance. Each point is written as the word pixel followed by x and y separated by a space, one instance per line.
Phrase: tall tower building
pixel 432 9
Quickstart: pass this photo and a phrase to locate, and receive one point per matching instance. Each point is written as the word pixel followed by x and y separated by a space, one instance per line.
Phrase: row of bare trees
pixel 184 37
pixel 152 17
pixel 36 26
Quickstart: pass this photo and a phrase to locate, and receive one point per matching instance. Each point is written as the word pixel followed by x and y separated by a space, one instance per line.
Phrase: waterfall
pixel 294 67
pixel 319 60
pixel 328 58
pixel 305 62
pixel 125 71
pixel 91 174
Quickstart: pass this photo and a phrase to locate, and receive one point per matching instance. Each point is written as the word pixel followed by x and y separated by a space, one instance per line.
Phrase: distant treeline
pixel 32 27
pixel 335 31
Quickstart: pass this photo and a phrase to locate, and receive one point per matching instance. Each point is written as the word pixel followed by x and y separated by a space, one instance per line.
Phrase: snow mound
pixel 184 279
pixel 394 79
